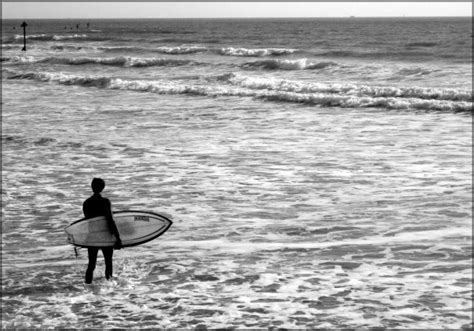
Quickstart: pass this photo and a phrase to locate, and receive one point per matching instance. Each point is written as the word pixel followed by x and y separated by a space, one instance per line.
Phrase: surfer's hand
pixel 118 244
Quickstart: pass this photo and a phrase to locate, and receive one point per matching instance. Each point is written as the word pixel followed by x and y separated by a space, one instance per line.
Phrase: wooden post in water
pixel 23 25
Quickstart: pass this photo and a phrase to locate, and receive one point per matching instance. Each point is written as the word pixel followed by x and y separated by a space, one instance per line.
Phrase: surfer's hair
pixel 97 185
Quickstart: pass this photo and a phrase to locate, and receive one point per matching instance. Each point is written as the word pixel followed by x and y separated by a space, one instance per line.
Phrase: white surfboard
pixel 135 228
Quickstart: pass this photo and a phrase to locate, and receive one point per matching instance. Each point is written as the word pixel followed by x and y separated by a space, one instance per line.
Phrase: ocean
pixel 318 171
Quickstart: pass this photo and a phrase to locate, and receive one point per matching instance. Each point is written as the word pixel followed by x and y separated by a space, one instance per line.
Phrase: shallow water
pixel 286 214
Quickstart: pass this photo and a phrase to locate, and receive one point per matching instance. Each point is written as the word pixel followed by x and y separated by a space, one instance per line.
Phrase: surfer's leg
pixel 108 253
pixel 92 260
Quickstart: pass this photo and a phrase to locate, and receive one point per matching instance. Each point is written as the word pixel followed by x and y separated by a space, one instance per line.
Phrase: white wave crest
pixel 69 36
pixel 352 89
pixel 349 101
pixel 317 99
pixel 112 61
pixel 256 51
pixel 45 37
pixel 20 59
pixel 33 36
pixel 181 49
pixel 285 64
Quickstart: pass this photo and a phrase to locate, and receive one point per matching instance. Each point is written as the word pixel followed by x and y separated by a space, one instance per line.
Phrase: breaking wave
pixel 50 37
pixel 70 36
pixel 192 49
pixel 348 89
pixel 297 64
pixel 120 61
pixel 173 50
pixel 32 37
pixel 255 52
pixel 71 48
pixel 181 49
pixel 19 59
pixel 330 95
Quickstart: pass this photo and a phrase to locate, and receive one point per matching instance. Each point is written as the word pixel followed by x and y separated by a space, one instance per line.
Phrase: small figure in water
pixel 95 206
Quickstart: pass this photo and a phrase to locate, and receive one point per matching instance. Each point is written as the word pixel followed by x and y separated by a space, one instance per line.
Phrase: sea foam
pixel 326 96
pixel 181 49
pixel 121 61
pixel 288 64
pixel 350 89
pixel 170 50
pixel 232 51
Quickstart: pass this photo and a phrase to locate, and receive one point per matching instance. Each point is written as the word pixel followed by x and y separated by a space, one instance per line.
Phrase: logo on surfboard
pixel 142 218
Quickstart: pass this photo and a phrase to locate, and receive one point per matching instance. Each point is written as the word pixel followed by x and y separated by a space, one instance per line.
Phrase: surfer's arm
pixel 111 223
pixel 85 209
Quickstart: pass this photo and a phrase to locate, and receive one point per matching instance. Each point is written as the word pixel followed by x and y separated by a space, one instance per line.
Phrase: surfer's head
pixel 97 185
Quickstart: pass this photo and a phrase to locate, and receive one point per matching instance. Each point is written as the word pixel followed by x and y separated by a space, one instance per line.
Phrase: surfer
pixel 95 206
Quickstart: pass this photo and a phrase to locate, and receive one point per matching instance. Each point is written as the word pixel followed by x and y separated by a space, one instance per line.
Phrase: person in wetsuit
pixel 95 206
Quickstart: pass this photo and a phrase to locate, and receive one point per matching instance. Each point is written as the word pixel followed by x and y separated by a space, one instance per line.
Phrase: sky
pixel 28 10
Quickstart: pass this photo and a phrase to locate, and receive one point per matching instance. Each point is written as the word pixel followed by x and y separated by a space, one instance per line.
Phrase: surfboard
pixel 135 228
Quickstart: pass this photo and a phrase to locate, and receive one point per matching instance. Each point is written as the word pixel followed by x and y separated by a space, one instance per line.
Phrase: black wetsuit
pixel 95 206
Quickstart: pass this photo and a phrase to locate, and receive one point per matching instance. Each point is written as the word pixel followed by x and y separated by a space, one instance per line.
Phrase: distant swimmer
pixel 95 206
